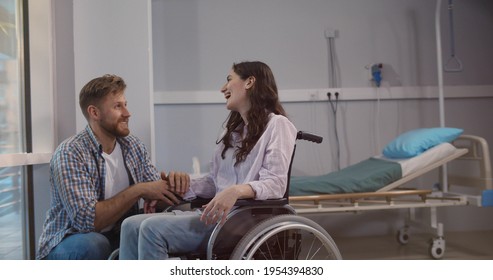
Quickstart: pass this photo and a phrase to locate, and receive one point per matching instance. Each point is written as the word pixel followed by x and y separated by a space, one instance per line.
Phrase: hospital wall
pixel 196 42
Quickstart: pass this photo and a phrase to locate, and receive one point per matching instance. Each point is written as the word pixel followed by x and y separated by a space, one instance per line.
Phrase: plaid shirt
pixel 77 177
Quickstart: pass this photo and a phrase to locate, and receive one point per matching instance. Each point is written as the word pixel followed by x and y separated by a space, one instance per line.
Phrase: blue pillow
pixel 415 142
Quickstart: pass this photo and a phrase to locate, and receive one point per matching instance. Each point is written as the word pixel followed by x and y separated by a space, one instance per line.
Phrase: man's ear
pixel 93 112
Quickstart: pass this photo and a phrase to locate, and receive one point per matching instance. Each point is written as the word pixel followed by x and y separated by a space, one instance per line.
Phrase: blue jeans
pixel 82 246
pixel 156 236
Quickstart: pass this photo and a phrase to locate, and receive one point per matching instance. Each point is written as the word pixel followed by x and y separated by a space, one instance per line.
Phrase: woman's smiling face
pixel 235 92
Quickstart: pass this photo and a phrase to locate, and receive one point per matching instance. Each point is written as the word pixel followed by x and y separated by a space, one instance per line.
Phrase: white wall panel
pixel 114 36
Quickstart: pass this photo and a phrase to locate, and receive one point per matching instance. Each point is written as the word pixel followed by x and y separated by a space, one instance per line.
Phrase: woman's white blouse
pixel 265 169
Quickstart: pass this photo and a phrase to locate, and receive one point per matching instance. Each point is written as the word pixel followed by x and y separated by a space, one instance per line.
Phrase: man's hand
pixel 150 206
pixel 108 211
pixel 158 190
pixel 176 183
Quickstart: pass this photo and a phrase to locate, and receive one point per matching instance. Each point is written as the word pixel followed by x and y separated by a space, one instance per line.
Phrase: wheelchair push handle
pixel 310 137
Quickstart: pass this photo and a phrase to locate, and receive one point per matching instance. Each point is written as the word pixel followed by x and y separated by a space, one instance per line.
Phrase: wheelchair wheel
pixel 286 237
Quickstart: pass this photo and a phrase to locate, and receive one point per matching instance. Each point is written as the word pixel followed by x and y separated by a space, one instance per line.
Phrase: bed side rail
pixel 478 152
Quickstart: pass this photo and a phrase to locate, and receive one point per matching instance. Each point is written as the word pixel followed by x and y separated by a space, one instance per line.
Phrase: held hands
pixel 178 182
pixel 175 183
pixel 157 191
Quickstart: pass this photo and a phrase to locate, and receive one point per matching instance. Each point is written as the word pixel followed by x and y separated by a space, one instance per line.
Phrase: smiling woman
pixel 251 160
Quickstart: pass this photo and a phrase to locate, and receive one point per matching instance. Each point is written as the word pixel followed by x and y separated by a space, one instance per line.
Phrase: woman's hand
pixel 218 208
pixel 178 182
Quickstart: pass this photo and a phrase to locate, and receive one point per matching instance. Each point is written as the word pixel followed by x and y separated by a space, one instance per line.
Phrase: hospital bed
pixel 380 183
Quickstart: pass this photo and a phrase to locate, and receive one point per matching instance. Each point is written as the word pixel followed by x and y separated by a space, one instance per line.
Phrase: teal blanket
pixel 366 176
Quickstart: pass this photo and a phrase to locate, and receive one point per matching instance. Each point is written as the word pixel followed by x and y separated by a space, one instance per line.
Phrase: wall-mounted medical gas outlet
pixel 330 33
pixel 375 73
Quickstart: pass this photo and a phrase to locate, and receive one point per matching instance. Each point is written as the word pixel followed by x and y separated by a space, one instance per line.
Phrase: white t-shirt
pixel 116 179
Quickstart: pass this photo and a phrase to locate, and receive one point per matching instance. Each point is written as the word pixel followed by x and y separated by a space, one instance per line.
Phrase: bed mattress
pixel 368 175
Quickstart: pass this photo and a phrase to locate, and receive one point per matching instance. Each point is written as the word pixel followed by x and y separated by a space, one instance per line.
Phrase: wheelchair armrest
pixel 199 202
pixel 268 202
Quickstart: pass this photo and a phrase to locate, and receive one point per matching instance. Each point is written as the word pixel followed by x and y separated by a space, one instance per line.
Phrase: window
pixel 12 133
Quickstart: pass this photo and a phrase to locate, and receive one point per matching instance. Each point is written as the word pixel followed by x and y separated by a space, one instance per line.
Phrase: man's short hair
pixel 97 89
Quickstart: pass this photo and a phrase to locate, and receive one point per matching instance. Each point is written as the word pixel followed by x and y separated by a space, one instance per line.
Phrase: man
pixel 98 176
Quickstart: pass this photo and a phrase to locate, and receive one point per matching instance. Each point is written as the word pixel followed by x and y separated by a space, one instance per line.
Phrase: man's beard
pixel 115 130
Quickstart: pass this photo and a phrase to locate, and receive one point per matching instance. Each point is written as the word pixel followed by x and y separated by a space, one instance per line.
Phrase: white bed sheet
pixel 410 165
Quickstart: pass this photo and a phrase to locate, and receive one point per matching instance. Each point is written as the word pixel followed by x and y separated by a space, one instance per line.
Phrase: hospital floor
pixel 471 245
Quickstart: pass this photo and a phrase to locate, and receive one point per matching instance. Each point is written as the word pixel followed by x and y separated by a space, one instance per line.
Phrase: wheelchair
pixel 266 230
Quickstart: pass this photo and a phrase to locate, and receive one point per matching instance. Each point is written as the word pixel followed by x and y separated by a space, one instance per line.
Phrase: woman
pixel 251 161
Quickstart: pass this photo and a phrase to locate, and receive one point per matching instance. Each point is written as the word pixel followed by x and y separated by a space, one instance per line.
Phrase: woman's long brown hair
pixel 264 100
